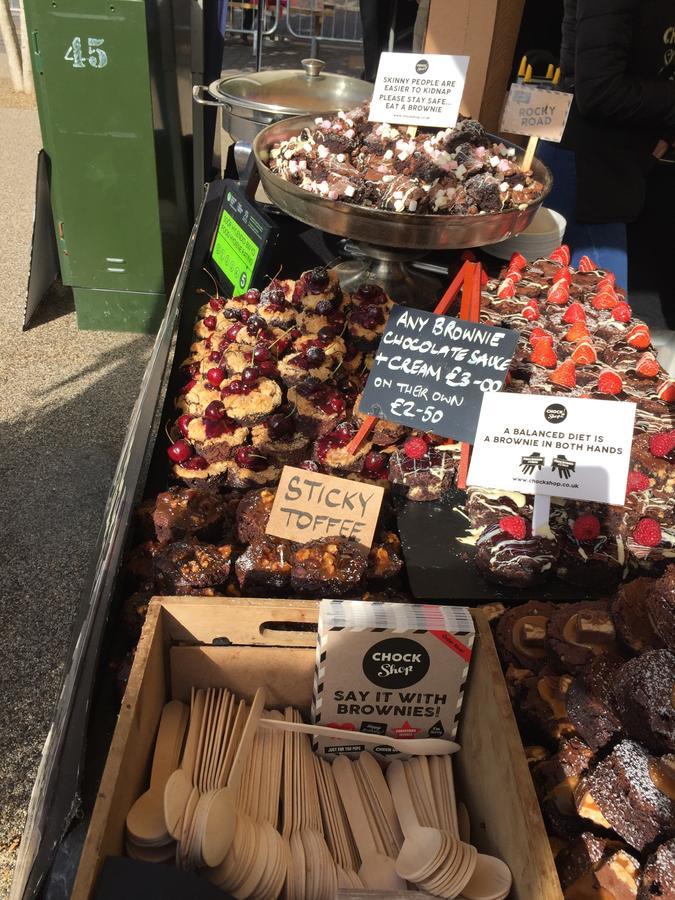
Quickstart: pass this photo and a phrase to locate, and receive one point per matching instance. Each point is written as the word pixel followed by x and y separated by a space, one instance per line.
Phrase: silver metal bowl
pixel 383 227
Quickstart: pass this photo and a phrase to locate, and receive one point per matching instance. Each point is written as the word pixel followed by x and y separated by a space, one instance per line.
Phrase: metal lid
pixel 292 92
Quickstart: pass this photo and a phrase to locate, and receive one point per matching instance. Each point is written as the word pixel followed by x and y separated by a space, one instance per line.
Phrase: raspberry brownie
pixel 485 506
pixel 509 553
pixel 329 567
pixel 421 470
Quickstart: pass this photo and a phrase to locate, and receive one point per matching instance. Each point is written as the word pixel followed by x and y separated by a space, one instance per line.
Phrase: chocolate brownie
pixel 592 554
pixel 618 874
pixel 423 473
pixel 253 514
pixel 658 874
pixel 183 567
pixel 620 793
pixel 329 567
pixel 578 632
pixel 520 635
pixel 660 604
pixel 644 691
pixel 183 511
pixel 555 781
pixel 590 702
pixel 485 506
pixel 543 705
pixel 513 560
pixel 629 611
pixel 578 858
pixel 279 439
pixel 264 568
pixel 385 559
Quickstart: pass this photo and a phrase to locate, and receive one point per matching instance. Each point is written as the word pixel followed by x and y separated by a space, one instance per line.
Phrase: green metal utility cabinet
pixel 92 71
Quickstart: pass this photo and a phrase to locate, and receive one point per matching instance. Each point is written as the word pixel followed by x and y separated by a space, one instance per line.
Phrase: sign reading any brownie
pixel 414 89
pixel 431 372
pixel 308 506
pixel 556 446
pixel 536 111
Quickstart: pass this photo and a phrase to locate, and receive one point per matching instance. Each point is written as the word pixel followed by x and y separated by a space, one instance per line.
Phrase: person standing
pixel 618 58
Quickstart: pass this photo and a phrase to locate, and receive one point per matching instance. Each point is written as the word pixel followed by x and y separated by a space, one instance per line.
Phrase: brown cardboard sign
pixel 309 506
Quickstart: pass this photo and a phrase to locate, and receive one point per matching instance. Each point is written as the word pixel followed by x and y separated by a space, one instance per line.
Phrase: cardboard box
pixel 486 31
pixel 243 644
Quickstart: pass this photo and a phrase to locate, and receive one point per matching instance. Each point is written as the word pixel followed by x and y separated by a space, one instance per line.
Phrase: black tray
pixel 440 568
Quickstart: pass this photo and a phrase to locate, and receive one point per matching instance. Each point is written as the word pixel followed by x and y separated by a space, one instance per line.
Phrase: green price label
pixel 234 252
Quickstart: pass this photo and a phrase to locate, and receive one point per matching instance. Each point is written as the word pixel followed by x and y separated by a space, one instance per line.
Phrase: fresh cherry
pixel 318 280
pixel 216 303
pixel 374 463
pixel 250 375
pixel 210 322
pixel 267 367
pixel 215 376
pixel 182 423
pixel 188 387
pixel 315 356
pixel 215 355
pixel 214 411
pixel 252 295
pixel 249 458
pixel 370 292
pixel 179 451
pixel 280 426
pixel 260 353
pixel 215 429
pixel 336 404
pixel 233 331
pixel 255 323
pixel 195 462
pixel 326 334
pixel 234 387
pixel 244 315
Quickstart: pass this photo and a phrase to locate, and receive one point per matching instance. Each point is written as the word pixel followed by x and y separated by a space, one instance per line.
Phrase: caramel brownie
pixel 658 874
pixel 215 435
pixel 485 506
pixel 253 514
pixel 264 568
pixel 578 632
pixel 620 793
pixel 629 610
pixel 319 406
pixel 279 439
pixel 520 635
pixel 183 567
pixel 590 702
pixel 250 401
pixel 139 566
pixel 555 780
pixel 509 553
pixel 644 689
pixel 660 605
pixel 181 512
pixel 423 471
pixel 576 861
pixel 329 567
pixel 618 874
pixel 544 705
pixel 249 468
pixel 385 560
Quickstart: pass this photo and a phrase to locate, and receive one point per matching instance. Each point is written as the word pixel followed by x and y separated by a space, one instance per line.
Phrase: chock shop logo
pixel 396 663
pixel 555 413
pixel 421 66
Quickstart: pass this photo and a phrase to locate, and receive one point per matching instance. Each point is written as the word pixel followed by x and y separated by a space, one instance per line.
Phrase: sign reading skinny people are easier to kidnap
pixel 431 371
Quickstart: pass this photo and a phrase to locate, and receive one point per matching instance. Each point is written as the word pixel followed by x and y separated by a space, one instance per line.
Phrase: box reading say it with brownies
pixel 390 668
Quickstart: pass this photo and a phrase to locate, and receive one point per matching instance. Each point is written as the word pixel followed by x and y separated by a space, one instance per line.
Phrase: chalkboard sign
pixel 431 372
pixel 244 242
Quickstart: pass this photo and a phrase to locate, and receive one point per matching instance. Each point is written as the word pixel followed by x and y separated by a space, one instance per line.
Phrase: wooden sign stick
pixel 444 304
pixel 529 153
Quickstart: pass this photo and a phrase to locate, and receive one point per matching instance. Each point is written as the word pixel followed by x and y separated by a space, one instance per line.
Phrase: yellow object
pixel 549 71
pixel 522 68
pixel 528 73
pixel 556 76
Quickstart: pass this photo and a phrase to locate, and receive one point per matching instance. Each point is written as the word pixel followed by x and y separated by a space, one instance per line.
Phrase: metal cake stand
pixel 385 244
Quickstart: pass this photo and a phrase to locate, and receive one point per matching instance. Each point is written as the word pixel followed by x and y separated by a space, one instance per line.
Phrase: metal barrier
pixel 324 20
pixel 237 9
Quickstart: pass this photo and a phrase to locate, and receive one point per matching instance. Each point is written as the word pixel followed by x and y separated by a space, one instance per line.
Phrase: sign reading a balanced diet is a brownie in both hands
pixel 431 372
pixel 413 89
pixel 557 446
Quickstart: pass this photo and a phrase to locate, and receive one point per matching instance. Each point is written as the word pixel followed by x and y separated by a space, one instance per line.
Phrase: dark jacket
pixel 618 57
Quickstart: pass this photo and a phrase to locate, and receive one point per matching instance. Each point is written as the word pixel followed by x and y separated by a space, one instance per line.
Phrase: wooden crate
pixel 243 644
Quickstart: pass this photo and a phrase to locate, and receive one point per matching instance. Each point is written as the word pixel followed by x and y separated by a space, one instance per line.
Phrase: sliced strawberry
pixel 544 355
pixel 559 293
pixel 516 526
pixel 574 313
pixel 586 527
pixel 561 255
pixel 531 311
pixel 517 261
pixel 584 354
pixel 578 332
pixel 622 312
pixel 506 289
pixel 608 279
pixel 538 334
pixel 564 375
pixel 639 337
pixel 648 367
pixel 565 274
pixel 605 300
pixel 647 533
pixel 636 482
pixel 514 274
pixel 662 444
pixel 609 382
pixel 666 391
pixel 415 447
pixel 586 265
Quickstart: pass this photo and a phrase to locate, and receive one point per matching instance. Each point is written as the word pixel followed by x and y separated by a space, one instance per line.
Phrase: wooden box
pixel 243 644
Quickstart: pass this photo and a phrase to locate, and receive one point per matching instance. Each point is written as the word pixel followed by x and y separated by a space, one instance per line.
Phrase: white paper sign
pixel 536 111
pixel 564 447
pixel 418 89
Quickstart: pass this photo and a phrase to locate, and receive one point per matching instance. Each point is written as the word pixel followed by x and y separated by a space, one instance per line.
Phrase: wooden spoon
pixel 145 820
pixel 491 879
pixel 179 785
pixel 410 746
pixel 377 871
pixel 421 846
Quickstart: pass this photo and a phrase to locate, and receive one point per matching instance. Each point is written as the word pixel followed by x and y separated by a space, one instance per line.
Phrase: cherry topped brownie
pixel 520 635
pixel 215 435
pixel 317 290
pixel 330 451
pixel 644 689
pixel 312 361
pixel 253 514
pixel 250 468
pixel 510 554
pixel 183 567
pixel 183 511
pixel 275 304
pixel 250 398
pixel 621 793
pixel 319 406
pixel 578 632
pixel 329 567
pixel 279 439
